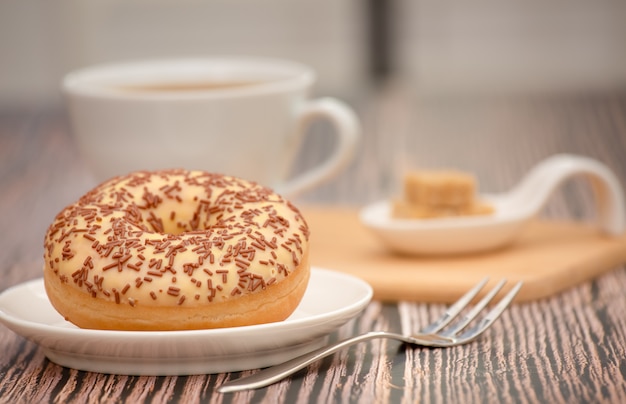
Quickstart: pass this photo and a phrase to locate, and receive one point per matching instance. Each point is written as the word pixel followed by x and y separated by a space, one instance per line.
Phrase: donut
pixel 176 250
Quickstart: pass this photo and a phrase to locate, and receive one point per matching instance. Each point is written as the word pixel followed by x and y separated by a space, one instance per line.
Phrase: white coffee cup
pixel 240 116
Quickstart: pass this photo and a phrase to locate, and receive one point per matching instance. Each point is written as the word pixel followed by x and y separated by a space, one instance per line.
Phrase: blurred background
pixel 435 82
pixel 488 86
pixel 436 47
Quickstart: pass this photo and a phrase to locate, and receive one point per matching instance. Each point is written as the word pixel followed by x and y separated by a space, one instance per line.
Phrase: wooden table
pixel 570 347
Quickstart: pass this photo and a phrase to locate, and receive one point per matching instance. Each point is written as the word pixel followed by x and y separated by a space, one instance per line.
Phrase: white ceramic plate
pixel 331 300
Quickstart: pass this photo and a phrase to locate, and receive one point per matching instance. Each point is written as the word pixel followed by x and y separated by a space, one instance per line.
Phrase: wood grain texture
pixel 548 256
pixel 570 347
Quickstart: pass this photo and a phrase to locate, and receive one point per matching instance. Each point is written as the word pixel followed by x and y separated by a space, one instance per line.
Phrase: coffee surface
pixel 186 87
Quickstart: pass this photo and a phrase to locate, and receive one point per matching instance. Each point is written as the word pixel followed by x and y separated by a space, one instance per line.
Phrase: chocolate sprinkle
pixel 237 238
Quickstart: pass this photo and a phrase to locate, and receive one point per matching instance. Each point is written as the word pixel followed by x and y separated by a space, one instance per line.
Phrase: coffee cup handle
pixel 347 129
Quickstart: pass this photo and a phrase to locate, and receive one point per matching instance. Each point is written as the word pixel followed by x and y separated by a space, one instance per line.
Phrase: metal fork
pixel 432 335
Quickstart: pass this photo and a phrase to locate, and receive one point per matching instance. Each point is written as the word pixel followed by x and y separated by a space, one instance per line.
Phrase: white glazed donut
pixel 176 250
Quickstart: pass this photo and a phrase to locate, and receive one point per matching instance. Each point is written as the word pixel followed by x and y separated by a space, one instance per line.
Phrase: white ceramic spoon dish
pixel 513 209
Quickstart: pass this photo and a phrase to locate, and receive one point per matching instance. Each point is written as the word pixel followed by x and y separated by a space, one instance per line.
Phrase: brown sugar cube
pixel 452 189
pixel 481 208
pixel 436 194
pixel 403 210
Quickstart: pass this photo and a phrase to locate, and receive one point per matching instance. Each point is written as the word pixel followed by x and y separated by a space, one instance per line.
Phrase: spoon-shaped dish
pixel 513 209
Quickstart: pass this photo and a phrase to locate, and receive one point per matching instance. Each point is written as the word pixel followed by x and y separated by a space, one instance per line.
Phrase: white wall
pixel 503 46
pixel 445 46
pixel 40 40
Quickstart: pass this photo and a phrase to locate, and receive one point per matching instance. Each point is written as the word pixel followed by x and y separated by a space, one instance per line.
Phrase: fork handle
pixel 276 373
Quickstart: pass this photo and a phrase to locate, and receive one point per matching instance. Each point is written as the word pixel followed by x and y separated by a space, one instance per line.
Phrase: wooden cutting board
pixel 548 256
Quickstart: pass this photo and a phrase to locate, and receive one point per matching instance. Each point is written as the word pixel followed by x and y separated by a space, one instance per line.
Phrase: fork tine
pixel 492 316
pixel 471 315
pixel 454 310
